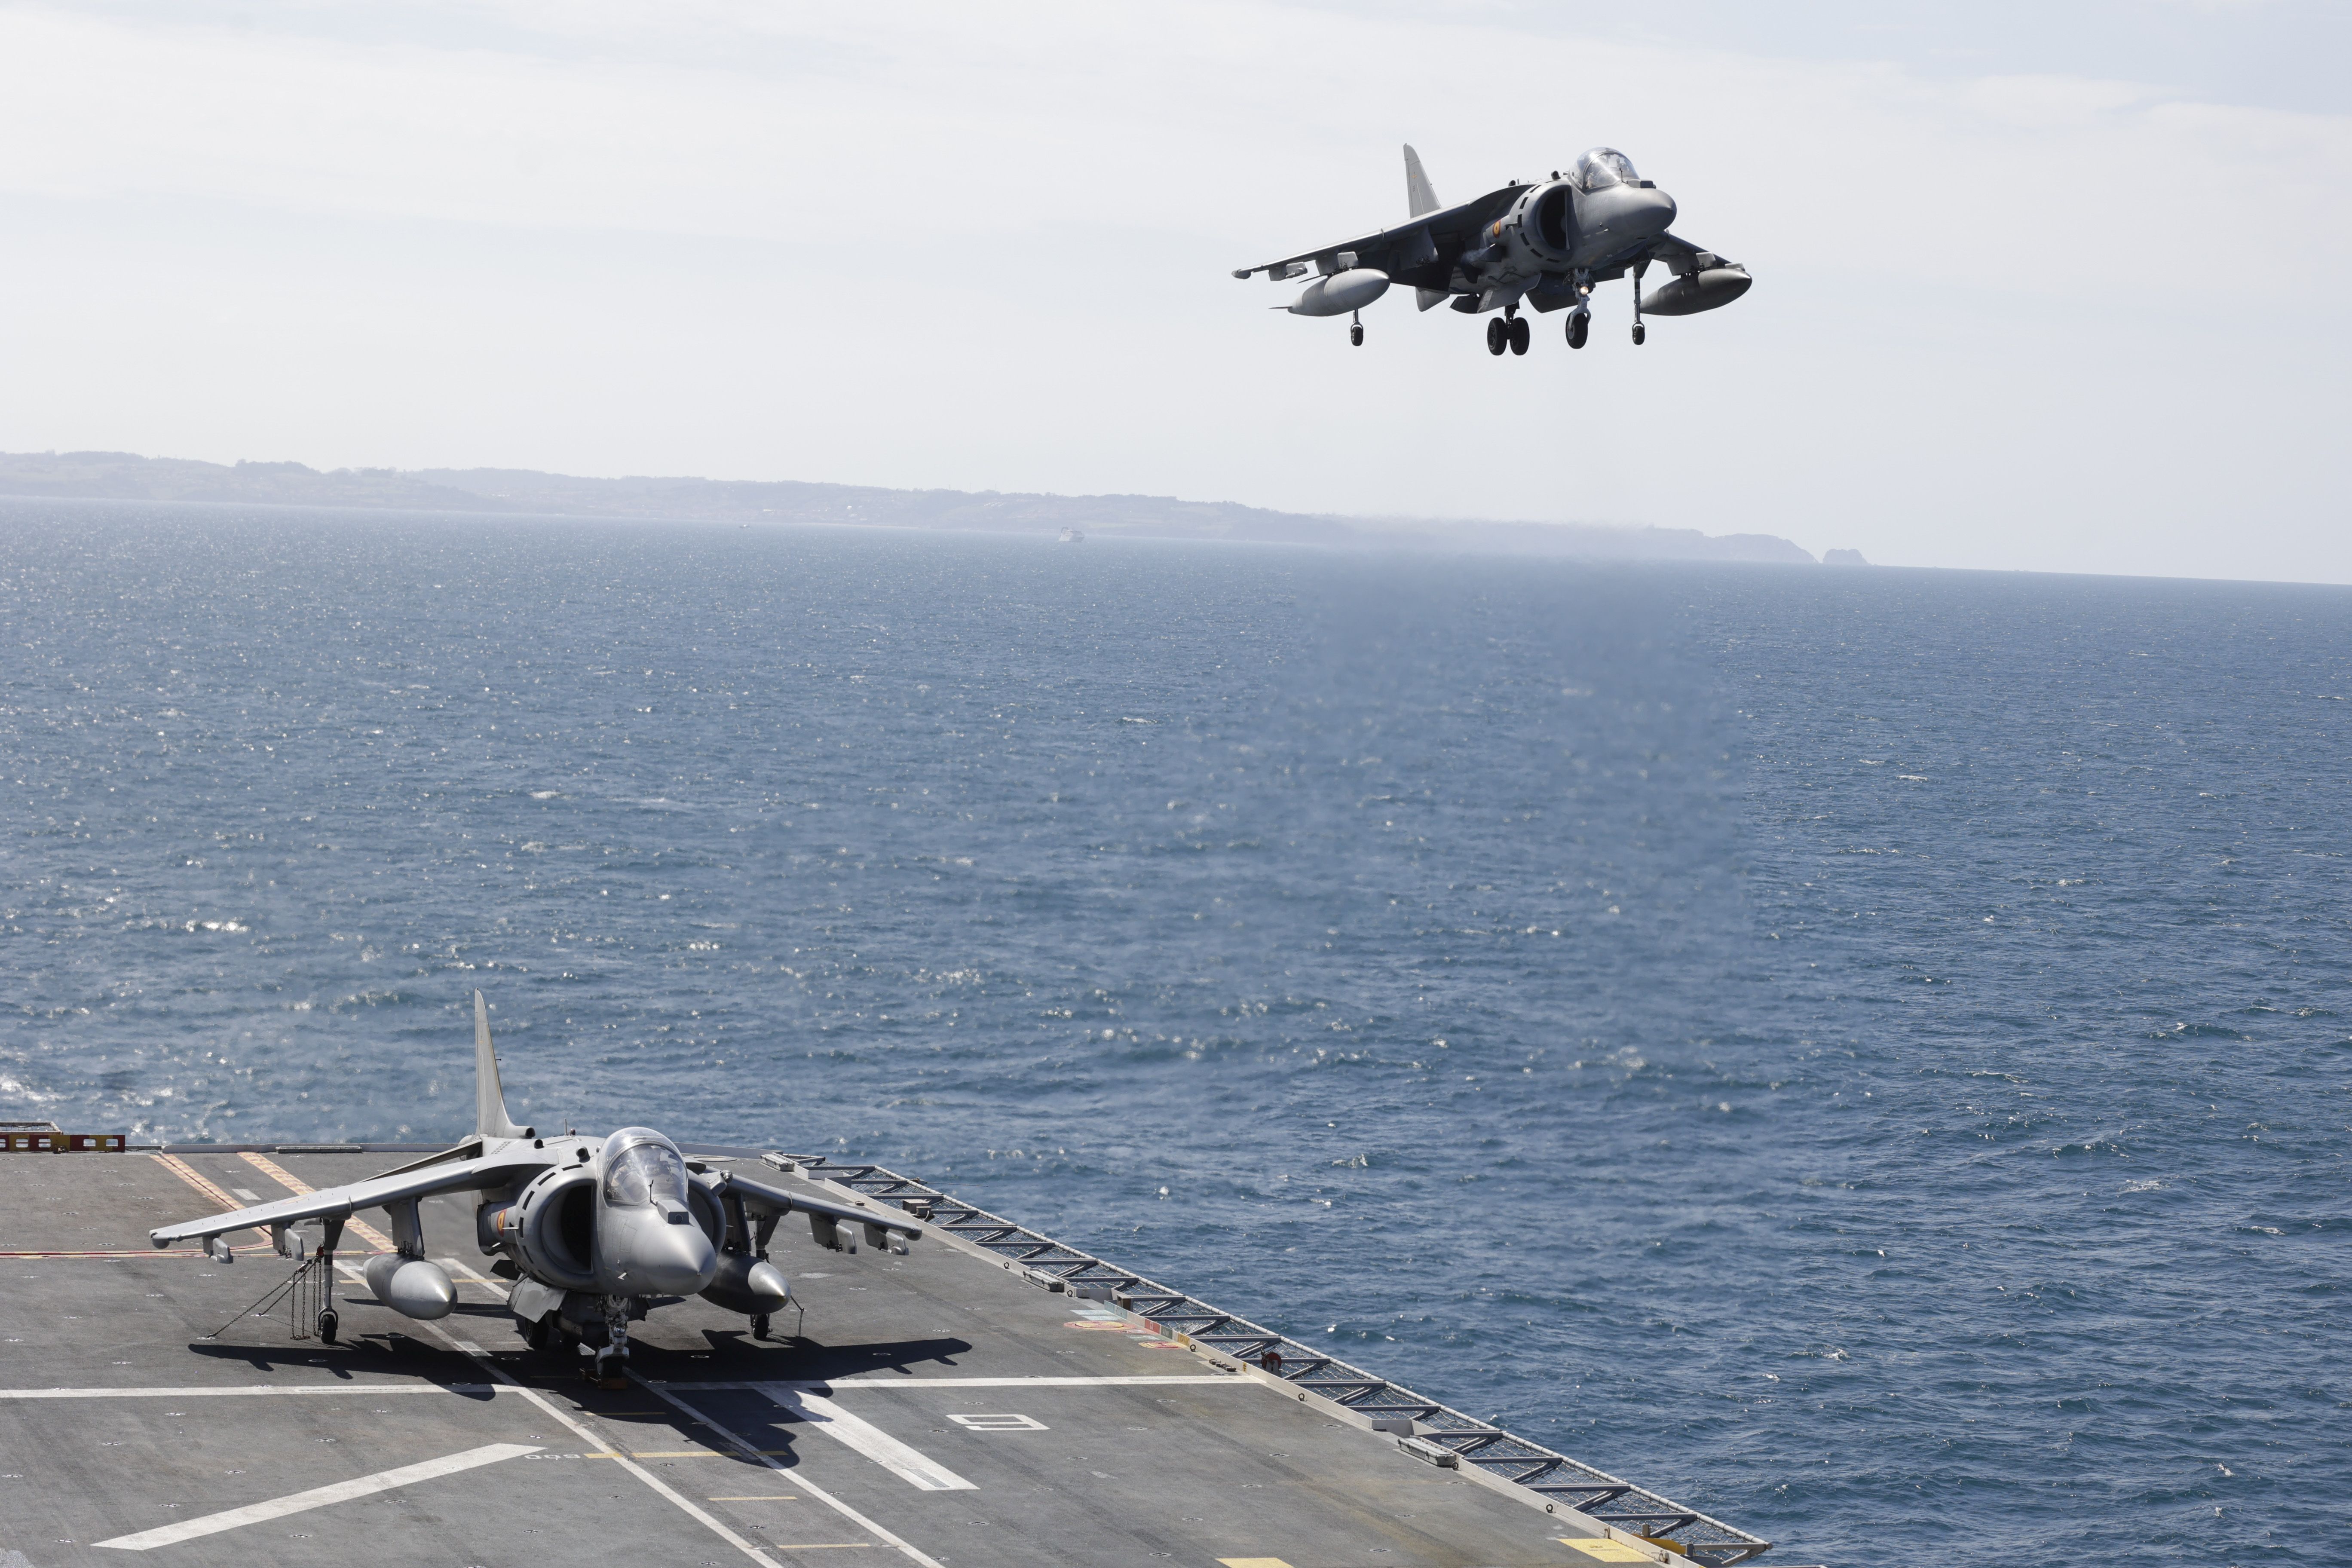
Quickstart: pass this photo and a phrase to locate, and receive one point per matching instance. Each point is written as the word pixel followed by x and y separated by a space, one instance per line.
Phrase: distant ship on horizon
pixel 1074 536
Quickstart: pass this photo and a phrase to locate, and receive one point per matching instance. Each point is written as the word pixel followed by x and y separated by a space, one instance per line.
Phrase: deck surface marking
pixel 302 1189
pixel 1603 1549
pixel 476 1276
pixel 189 1175
pixel 953 1383
pixel 355 1389
pixel 743 1446
pixel 694 1510
pixel 910 1464
pixel 117 1252
pixel 320 1497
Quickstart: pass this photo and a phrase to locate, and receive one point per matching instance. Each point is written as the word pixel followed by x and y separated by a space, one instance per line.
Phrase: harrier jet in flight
pixel 1544 244
pixel 596 1229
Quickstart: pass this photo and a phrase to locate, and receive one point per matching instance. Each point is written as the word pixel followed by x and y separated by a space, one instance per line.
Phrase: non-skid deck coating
pixel 931 1409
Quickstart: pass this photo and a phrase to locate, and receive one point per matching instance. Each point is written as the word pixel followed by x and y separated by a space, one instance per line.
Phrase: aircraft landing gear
pixel 1519 335
pixel 1356 330
pixel 760 1321
pixel 536 1334
pixel 1498 334
pixel 330 1323
pixel 612 1357
pixel 1639 334
pixel 1579 324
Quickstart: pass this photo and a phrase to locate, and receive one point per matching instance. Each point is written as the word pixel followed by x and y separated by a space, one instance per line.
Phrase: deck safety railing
pixel 1552 1476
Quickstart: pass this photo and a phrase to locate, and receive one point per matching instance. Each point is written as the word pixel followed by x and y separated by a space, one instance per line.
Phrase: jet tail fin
pixel 1419 195
pixel 490 1118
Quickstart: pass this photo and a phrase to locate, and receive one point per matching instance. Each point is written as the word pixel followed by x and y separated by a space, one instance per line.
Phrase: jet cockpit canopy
pixel 1604 166
pixel 643 1167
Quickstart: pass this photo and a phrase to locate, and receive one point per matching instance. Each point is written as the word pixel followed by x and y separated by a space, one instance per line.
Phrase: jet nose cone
pixel 1657 214
pixel 670 1260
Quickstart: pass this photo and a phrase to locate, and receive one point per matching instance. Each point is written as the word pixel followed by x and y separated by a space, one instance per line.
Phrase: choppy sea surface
pixel 1863 1052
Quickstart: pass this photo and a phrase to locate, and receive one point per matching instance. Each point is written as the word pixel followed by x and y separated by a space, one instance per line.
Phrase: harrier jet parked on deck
pixel 1544 244
pixel 596 1229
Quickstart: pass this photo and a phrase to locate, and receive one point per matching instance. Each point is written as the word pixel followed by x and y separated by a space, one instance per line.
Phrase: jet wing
pixel 1682 258
pixel 1432 237
pixel 340 1202
pixel 762 1198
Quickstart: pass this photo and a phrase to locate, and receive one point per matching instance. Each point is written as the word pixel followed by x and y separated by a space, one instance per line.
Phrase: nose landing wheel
pixel 609 1370
pixel 760 1321
pixel 1579 325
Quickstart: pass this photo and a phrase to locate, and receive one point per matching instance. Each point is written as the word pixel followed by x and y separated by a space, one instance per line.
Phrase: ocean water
pixel 1866 1053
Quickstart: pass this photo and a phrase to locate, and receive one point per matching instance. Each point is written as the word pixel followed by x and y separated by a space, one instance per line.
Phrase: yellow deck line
pixel 300 1188
pixel 189 1175
pixel 679 1453
pixel 124 1252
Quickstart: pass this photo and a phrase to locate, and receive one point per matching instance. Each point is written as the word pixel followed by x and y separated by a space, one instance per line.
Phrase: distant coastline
pixel 122 476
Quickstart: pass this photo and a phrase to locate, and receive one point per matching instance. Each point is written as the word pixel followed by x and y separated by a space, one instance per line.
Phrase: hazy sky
pixel 2054 286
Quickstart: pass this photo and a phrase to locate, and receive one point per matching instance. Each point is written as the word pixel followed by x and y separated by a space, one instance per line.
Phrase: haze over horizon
pixel 987 248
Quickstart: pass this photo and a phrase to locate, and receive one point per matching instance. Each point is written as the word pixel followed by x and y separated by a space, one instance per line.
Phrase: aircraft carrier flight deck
pixel 985 1396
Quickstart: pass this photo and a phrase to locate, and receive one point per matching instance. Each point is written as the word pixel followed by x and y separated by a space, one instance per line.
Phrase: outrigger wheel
pixel 330 1325
pixel 1356 334
pixel 1498 334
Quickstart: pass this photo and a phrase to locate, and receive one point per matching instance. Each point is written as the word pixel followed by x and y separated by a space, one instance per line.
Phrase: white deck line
pixel 700 1515
pixel 799 1479
pixel 320 1497
pixel 823 1385
pixel 910 1464
pixel 356 1390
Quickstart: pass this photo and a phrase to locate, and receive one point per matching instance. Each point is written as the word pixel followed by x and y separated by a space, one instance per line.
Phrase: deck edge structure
pixel 1533 1474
